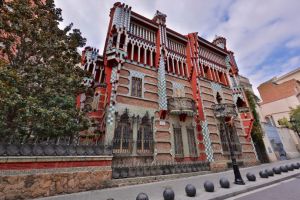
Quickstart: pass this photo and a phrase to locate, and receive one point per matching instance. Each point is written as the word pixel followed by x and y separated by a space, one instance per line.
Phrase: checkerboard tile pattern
pixel 177 86
pixel 227 62
pixel 216 87
pixel 162 85
pixel 207 142
pixel 111 110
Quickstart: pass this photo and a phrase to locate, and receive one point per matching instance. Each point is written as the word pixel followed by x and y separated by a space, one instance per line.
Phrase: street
pixel 288 189
pixel 155 190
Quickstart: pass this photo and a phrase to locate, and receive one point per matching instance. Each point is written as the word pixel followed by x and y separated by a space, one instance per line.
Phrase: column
pixel 132 51
pixel 145 56
pixel 177 64
pixel 182 68
pixel 139 52
pixel 202 70
pixel 218 78
pixel 173 66
pixel 168 64
pixel 225 80
pixel 151 58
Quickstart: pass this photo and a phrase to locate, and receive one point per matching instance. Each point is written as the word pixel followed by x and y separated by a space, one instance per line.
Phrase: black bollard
pixel 168 194
pixel 190 190
pixel 224 183
pixel 283 168
pixel 142 196
pixel 209 186
pixel 251 177
pixel 263 174
pixel 276 170
pixel 290 167
pixel 269 172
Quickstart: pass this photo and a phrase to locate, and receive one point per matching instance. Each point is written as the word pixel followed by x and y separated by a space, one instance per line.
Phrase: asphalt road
pixel 288 190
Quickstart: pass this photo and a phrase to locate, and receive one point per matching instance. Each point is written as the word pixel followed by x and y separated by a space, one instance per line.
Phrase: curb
pixel 253 187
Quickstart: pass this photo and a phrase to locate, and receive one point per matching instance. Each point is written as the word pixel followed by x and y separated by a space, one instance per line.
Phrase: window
pixel 270 120
pixel 223 138
pixel 122 142
pixel 136 87
pixel 145 135
pixel 233 137
pixel 178 141
pixel 191 141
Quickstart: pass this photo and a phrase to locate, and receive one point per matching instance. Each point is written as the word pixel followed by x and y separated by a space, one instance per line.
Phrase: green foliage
pixel 256 132
pixel 285 123
pixel 39 84
pixel 295 118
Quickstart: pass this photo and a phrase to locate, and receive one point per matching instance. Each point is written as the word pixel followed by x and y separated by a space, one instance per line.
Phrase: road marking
pixel 260 189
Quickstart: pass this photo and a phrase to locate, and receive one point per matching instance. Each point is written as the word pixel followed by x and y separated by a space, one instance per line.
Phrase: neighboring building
pixel 279 95
pixel 158 87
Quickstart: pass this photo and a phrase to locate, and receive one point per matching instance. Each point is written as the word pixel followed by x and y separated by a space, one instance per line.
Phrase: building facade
pixel 154 89
pixel 279 95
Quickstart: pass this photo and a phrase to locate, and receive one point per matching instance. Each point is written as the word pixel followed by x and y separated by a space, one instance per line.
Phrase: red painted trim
pixel 49 165
pixel 192 47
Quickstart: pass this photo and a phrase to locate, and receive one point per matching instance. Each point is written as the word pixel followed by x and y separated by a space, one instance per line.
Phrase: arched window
pixel 145 135
pixel 241 105
pixel 122 142
pixel 122 41
pixel 230 139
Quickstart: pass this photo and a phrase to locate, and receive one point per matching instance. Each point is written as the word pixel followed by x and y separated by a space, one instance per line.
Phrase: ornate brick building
pixel 154 91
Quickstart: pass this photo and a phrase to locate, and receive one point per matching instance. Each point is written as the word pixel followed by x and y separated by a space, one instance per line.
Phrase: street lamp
pixel 225 113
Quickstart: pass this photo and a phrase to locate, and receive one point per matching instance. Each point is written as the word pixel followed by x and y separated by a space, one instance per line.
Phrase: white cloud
pixel 254 29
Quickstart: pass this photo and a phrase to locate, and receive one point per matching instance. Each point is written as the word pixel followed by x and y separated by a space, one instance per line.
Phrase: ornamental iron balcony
pixel 243 109
pixel 224 110
pixel 181 105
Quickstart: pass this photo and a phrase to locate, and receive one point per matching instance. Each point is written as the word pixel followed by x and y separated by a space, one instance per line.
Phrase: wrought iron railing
pixel 144 147
pixel 224 110
pixel 181 105
pixel 122 146
pixel 146 169
pixel 243 109
pixel 53 146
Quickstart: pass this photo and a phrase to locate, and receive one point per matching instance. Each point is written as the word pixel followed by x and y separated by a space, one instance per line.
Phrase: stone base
pixel 48 181
pixel 42 185
pixel 218 166
pixel 252 162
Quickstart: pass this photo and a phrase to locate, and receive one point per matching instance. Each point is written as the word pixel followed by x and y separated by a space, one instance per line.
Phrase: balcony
pixel 243 109
pixel 181 105
pixel 224 110
pixel 237 89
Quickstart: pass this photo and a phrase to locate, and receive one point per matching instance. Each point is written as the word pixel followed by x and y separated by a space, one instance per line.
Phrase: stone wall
pixel 42 181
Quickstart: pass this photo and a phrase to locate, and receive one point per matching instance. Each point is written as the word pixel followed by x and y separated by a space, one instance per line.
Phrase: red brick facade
pixel 169 115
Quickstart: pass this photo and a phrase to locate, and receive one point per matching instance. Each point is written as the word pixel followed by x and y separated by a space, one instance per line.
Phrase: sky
pixel 264 35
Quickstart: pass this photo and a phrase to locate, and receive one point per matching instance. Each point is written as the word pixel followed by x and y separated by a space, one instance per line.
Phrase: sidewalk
pixel 155 190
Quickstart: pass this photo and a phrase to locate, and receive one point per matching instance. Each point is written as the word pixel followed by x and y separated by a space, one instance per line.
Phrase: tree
pixel 285 123
pixel 39 82
pixel 294 122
